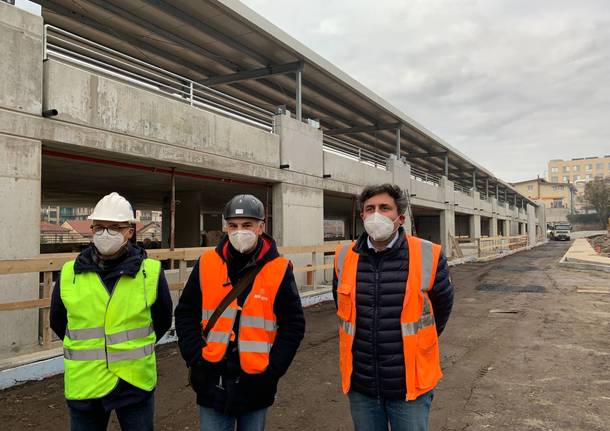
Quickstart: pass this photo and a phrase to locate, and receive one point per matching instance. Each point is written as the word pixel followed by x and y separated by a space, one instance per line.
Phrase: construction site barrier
pixel 488 246
pixel 46 265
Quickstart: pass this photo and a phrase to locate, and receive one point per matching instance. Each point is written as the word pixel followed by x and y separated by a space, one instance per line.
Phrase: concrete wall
pixel 351 171
pixel 427 192
pixel 21 60
pixel 88 98
pixel 20 90
pixel 300 145
pixel 298 220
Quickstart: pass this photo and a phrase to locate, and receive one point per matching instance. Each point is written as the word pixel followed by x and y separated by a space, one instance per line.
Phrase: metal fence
pixel 354 152
pixel 462 189
pixel 70 47
pixel 423 176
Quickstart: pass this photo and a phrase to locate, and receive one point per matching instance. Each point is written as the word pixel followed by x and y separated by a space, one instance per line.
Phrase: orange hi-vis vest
pixel 419 338
pixel 257 322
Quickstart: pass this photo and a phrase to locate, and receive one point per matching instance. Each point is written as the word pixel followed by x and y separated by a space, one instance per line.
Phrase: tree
pixel 597 193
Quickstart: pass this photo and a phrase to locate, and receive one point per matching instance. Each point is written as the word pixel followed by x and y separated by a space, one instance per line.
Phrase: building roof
pixel 542 180
pixel 83 227
pixel 225 45
pixel 46 227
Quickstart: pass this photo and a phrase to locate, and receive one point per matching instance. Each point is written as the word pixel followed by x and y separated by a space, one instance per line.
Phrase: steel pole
pixel 299 94
pixel 398 143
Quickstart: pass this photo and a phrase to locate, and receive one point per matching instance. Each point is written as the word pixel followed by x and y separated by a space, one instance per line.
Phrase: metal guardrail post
pixel 313 262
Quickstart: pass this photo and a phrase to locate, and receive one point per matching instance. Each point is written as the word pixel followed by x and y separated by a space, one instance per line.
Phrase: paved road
pixel 544 367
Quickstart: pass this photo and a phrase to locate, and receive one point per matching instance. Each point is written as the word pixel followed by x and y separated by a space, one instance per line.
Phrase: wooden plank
pixel 21 305
pixel 47 288
pixel 54 261
pixel 313 268
pixel 592 290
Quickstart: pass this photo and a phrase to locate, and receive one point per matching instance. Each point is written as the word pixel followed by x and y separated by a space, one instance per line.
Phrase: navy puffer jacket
pixel 379 366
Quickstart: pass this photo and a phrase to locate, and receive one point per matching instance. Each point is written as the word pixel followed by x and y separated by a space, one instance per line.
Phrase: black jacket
pixel 378 359
pixel 128 264
pixel 252 391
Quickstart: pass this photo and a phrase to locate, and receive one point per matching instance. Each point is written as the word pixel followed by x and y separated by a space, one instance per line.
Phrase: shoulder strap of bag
pixel 237 290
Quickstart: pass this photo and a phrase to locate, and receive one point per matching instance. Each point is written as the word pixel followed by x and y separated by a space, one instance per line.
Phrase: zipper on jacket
pixel 106 314
pixel 375 327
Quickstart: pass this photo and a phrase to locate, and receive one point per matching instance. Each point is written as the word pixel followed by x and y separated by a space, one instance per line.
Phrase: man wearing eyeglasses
pixel 110 306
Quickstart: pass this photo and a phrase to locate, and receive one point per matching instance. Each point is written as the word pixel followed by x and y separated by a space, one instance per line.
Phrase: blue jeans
pixel 371 414
pixel 137 417
pixel 211 420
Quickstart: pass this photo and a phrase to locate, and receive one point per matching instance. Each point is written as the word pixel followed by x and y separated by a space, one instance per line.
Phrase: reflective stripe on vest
pixel 257 322
pixel 109 337
pixel 420 342
pixel 117 337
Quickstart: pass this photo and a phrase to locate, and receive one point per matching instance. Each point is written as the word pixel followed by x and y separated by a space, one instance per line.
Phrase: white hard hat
pixel 113 207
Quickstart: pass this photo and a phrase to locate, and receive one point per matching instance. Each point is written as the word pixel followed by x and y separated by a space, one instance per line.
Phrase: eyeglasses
pixel 112 229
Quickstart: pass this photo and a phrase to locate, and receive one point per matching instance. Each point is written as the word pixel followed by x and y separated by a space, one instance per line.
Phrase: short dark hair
pixel 400 199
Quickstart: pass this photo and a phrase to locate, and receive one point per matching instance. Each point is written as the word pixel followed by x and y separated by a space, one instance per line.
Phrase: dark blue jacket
pixel 128 264
pixel 378 359
pixel 253 391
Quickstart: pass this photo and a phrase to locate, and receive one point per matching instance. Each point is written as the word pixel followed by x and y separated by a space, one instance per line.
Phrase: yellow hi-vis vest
pixel 109 336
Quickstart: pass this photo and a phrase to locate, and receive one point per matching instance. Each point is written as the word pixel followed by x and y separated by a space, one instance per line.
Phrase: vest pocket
pixel 344 301
pixel 427 361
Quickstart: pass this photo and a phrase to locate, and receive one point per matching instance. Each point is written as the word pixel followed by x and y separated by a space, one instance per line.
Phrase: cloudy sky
pixel 510 83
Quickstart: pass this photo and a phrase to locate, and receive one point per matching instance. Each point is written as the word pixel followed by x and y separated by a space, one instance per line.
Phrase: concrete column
pixel 493 225
pixel 475 219
pixel 447 217
pixel 300 145
pixel 447 227
pixel 188 219
pixel 475 227
pixel 531 224
pixel 298 220
pixel 20 167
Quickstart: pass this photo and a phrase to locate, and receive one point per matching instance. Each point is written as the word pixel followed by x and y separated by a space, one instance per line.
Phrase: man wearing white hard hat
pixel 110 306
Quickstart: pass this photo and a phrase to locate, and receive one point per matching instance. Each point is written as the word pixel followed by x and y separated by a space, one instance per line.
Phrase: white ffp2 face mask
pixel 379 227
pixel 243 240
pixel 108 242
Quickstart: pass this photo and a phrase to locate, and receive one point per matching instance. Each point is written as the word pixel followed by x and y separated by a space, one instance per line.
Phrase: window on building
pixel 576 177
pixel 530 188
pixel 589 167
pixel 565 178
pixel 588 177
pixel 576 168
pixel 554 170
pixel 566 169
pixel 557 203
pixel 599 166
pixel 554 179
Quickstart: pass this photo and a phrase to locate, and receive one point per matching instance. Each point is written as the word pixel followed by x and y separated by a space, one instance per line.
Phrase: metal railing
pixel 70 47
pixel 423 176
pixel 351 151
pixel 460 188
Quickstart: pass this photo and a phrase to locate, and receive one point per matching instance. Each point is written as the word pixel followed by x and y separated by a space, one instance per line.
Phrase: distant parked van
pixel 561 231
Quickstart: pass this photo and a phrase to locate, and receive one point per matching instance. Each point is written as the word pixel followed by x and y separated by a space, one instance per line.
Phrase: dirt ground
pixel 541 363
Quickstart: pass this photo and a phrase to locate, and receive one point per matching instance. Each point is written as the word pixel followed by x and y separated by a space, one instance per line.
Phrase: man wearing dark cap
pixel 237 349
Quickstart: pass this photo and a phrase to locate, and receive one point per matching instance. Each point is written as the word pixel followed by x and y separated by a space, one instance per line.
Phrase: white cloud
pixel 511 83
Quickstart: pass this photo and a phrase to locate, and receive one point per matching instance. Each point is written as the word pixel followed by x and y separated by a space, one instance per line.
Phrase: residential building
pixel 578 169
pixel 557 198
